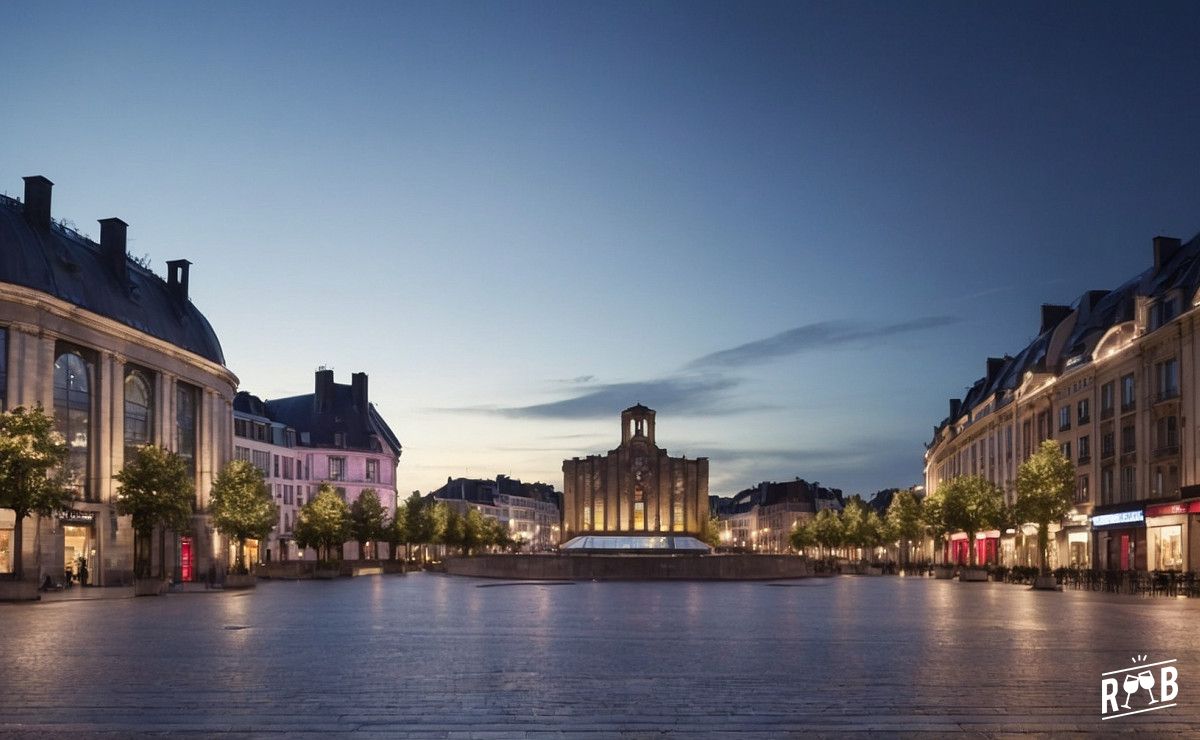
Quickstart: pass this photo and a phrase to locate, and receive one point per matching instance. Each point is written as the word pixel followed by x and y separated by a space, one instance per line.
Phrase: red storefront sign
pixel 1183 507
pixel 185 558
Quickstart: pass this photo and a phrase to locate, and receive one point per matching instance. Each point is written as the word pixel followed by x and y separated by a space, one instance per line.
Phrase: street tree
pixel 241 506
pixel 827 530
pixel 802 535
pixel 710 532
pixel 156 490
pixel 33 472
pixel 971 504
pixel 323 522
pixel 1045 483
pixel 367 520
pixel 933 520
pixel 904 521
pixel 395 532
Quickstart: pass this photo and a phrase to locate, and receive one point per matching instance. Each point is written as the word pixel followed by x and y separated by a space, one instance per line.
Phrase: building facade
pixel 333 435
pixel 530 511
pixel 636 488
pixel 1113 379
pixel 122 358
pixel 761 519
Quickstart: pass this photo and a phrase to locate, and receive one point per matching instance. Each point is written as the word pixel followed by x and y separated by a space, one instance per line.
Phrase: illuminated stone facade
pixel 636 488
pixel 1113 379
pixel 121 358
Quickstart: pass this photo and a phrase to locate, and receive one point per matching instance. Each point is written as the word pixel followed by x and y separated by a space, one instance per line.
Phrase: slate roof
pixel 1094 314
pixel 344 417
pixel 58 262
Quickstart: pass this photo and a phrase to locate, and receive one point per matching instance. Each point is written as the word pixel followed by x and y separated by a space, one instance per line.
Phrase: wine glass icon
pixel 1130 684
pixel 1146 680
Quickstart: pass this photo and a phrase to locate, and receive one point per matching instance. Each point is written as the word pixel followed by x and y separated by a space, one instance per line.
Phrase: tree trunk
pixel 241 555
pixel 1043 544
pixel 18 545
pixel 162 552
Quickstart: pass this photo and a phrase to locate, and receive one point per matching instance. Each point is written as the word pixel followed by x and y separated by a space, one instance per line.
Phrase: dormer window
pixel 1162 312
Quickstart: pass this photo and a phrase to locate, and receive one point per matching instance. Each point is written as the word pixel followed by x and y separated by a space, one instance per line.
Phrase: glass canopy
pixel 634 542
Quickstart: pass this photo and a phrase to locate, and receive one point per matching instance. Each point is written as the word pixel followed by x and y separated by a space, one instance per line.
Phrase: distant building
pixel 332 435
pixel 122 358
pixel 530 511
pixel 761 518
pixel 636 488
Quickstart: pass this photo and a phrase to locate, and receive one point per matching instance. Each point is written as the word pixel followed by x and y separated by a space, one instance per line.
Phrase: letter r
pixel 1169 683
pixel 1108 693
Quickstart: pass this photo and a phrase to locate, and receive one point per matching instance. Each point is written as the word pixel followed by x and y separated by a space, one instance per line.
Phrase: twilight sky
pixel 794 229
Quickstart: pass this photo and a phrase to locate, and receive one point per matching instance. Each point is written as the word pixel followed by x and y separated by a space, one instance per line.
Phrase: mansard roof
pixel 59 262
pixel 318 429
pixel 1090 317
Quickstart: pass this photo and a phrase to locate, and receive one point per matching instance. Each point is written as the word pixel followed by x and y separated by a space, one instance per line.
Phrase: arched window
pixel 139 408
pixel 185 424
pixel 73 412
pixel 639 509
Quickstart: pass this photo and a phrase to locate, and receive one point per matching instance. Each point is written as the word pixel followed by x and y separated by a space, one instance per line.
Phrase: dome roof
pixel 63 264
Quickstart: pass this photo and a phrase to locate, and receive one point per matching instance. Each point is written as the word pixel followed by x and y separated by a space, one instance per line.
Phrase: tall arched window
pixel 185 424
pixel 73 412
pixel 139 411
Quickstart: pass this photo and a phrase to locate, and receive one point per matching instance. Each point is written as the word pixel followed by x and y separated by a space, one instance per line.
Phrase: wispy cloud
pixel 680 395
pixel 809 337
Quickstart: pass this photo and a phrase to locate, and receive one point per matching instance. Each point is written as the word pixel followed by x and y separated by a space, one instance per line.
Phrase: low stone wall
pixel 630 567
pixel 19 591
pixel 293 570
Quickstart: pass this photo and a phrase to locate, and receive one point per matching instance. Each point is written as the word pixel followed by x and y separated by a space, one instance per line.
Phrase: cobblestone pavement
pixel 437 656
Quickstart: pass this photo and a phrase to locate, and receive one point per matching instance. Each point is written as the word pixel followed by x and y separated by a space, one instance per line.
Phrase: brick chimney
pixel 112 246
pixel 993 366
pixel 37 200
pixel 1165 248
pixel 1053 315
pixel 323 393
pixel 358 393
pixel 177 278
pixel 955 409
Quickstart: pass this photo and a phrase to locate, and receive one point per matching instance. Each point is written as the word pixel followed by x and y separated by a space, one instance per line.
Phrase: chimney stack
pixel 955 409
pixel 1165 248
pixel 177 278
pixel 358 392
pixel 993 366
pixel 1052 316
pixel 112 246
pixel 323 393
pixel 37 200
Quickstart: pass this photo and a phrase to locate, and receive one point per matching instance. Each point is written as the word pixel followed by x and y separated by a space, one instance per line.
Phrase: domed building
pixel 122 358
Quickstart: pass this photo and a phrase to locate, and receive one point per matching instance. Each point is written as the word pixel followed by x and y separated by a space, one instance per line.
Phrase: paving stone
pixel 433 656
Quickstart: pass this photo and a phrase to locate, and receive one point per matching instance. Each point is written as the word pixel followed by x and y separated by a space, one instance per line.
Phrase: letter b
pixel 1170 682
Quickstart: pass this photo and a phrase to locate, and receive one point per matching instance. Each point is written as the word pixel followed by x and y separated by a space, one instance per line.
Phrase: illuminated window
pixel 600 513
pixel 587 518
pixel 639 509
pixel 73 412
pixel 337 468
pixel 1168 547
pixel 186 402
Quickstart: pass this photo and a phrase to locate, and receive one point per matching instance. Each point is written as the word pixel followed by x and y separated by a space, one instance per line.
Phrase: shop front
pixel 1074 542
pixel 1170 529
pixel 1120 538
pixel 987 548
pixel 78 547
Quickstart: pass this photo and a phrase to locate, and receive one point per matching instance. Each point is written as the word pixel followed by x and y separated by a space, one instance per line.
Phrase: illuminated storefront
pixel 1169 529
pixel 1120 537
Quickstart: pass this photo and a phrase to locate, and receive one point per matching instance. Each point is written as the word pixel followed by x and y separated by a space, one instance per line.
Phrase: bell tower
pixel 637 422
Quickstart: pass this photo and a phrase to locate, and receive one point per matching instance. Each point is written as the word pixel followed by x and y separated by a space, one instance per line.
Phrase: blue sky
pixel 795 229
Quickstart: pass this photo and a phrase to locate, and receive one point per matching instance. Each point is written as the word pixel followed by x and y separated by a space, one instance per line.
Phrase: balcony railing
pixel 1084 419
pixel 1128 407
pixel 1106 413
pixel 1170 394
pixel 1085 459
pixel 1107 452
pixel 1166 450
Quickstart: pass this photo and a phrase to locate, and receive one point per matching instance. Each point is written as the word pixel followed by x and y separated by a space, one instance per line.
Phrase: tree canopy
pixel 368 519
pixel 971 504
pixel 322 523
pixel 156 490
pixel 241 506
pixel 33 471
pixel 1045 484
